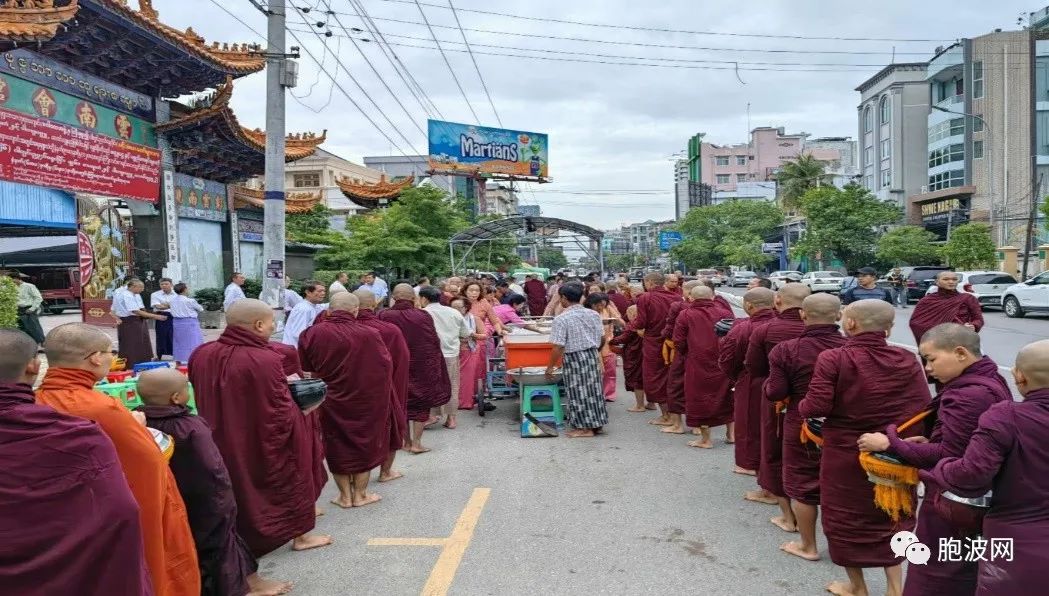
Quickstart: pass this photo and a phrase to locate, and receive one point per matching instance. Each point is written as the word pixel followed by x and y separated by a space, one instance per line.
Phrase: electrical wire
pixel 476 67
pixel 448 64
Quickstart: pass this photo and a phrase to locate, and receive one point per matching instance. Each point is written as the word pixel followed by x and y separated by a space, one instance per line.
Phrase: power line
pixel 669 30
pixel 448 64
pixel 476 67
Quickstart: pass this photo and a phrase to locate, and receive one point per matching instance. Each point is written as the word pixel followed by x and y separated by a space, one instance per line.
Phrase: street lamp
pixel 988 155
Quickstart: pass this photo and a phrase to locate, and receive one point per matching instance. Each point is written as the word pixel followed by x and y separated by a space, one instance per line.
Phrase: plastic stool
pixel 544 403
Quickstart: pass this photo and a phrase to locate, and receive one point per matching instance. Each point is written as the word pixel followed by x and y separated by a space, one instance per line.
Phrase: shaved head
pixel 157 386
pixel 68 345
pixel 708 282
pixel 821 309
pixel 792 295
pixel 346 301
pixel 948 336
pixel 1032 363
pixel 701 292
pixel 403 292
pixel 17 351
pixel 248 311
pixel 870 315
pixel 655 279
pixel 366 298
pixel 691 284
pixel 944 274
pixel 760 298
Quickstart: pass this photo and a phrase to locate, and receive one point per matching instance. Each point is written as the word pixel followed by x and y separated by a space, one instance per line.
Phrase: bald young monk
pixel 945 305
pixel 969 384
pixel 790 370
pixel 398 348
pixel 62 491
pixel 242 391
pixel 1009 454
pixel 354 362
pixel 652 309
pixel 757 303
pixel 676 367
pixel 79 356
pixel 226 564
pixel 787 325
pixel 865 384
pixel 708 401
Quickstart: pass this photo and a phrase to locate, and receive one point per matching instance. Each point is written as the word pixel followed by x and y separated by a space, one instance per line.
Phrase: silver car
pixel 987 286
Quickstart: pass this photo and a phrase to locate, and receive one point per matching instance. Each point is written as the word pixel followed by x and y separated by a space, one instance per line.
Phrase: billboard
pixel 669 239
pixel 467 149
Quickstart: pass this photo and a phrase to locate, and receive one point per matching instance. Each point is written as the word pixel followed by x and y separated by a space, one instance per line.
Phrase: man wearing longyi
pixel 865 384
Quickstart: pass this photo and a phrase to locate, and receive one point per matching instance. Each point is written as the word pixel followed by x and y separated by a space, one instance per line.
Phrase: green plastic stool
pixel 127 393
pixel 544 403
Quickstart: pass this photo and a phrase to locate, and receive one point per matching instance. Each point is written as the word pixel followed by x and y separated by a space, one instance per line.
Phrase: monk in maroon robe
pixel 787 325
pixel 652 309
pixel 708 398
pixel 790 370
pixel 746 414
pixel 293 370
pixel 945 305
pixel 630 345
pixel 865 384
pixel 535 292
pixel 621 295
pixel 1008 455
pixel 66 512
pixel 970 385
pixel 354 362
pixel 227 566
pixel 242 391
pixel 676 366
pixel 393 339
pixel 428 383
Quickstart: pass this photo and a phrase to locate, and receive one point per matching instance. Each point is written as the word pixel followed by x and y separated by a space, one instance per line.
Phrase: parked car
pixel 987 286
pixel 1031 296
pixel 713 275
pixel 741 278
pixel 918 280
pixel 823 281
pixel 779 278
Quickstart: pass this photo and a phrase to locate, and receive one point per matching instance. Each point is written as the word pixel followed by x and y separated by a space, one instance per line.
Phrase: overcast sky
pixel 611 127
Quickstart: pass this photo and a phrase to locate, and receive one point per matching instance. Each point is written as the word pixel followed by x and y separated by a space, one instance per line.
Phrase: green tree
pixel 797 176
pixel 721 234
pixel 619 263
pixel 970 247
pixel 908 245
pixel 843 223
pixel 8 303
pixel 552 259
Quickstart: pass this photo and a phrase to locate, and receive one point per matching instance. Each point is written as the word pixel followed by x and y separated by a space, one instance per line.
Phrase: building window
pixel 977 79
pixel 977 124
pixel 721 160
pixel 307 180
pixel 938 157
pixel 977 149
pixel 949 179
pixel 741 177
pixel 948 128
pixel 868 119
pixel 741 160
pixel 886 149
pixel 722 178
pixel 886 178
pixel 868 181
pixel 885 109
pixel 868 156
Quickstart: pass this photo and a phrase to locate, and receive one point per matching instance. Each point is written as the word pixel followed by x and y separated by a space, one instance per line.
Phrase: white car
pixel 1030 296
pixel 987 286
pixel 823 281
pixel 779 278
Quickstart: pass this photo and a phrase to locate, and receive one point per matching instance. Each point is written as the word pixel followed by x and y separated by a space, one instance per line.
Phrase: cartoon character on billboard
pixel 85 115
pixel 44 103
pixel 123 126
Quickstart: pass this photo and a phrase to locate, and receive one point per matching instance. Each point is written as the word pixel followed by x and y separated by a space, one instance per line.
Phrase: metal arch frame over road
pixel 499 228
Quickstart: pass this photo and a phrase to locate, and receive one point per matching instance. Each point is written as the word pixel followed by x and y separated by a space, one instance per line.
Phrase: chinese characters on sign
pixel 975 549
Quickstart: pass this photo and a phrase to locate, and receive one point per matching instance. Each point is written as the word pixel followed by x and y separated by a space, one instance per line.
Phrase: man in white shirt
pixel 302 316
pixel 339 285
pixel 159 302
pixel 234 292
pixel 376 285
pixel 291 297
pixel 451 329
pixel 132 329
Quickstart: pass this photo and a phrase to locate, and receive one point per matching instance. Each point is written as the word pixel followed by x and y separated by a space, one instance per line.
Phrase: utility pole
pixel 1036 193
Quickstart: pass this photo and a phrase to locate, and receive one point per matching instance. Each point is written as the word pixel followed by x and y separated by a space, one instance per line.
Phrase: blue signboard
pixel 668 240
pixel 467 149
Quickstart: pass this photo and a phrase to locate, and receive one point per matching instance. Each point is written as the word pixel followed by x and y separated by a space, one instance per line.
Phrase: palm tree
pixel 798 176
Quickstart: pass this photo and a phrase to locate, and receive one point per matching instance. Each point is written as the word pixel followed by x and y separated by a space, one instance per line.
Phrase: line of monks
pixel 799 359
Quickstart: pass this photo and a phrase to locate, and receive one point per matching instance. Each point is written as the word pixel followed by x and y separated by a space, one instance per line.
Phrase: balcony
pixel 946 64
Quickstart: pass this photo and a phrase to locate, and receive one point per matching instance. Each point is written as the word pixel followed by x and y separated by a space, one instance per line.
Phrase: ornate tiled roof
pixel 294 202
pixel 372 195
pixel 28 21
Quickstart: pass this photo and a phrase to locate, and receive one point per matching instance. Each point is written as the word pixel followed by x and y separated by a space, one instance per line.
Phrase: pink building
pixel 725 166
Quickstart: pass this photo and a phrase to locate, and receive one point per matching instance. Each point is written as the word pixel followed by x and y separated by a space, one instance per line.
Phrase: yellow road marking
pixel 453 547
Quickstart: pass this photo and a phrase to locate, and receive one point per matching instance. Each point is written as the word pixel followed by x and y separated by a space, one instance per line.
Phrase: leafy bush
pixel 252 288
pixel 8 303
pixel 210 298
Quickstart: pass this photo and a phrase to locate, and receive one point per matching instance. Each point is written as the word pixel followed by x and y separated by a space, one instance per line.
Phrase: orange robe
pixel 170 553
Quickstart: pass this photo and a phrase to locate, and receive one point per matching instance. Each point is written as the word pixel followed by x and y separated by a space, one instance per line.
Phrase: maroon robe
pixel 944 306
pixel 355 416
pixel 865 384
pixel 787 325
pixel 631 345
pixel 242 391
pixel 69 522
pixel 790 370
pixel 1008 454
pixel 535 291
pixel 746 411
pixel 621 301
pixel 398 348
pixel 726 305
pixel 960 404
pixel 676 368
pixel 652 309
pixel 428 383
pixel 203 481
pixel 708 397
pixel 293 366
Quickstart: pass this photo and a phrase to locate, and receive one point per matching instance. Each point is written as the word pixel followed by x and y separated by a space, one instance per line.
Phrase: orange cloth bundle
pixel 812 432
pixel 893 480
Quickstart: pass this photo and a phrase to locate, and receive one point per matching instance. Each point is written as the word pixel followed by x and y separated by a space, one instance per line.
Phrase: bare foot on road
pixel 840 588
pixel 317 511
pixel 418 450
pixel 701 444
pixel 307 541
pixel 794 548
pixel 635 409
pixel 345 504
pixel 368 499
pixel 579 433
pixel 267 587
pixel 390 477
pixel 780 522
pixel 674 430
pixel 744 471
pixel 759 496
